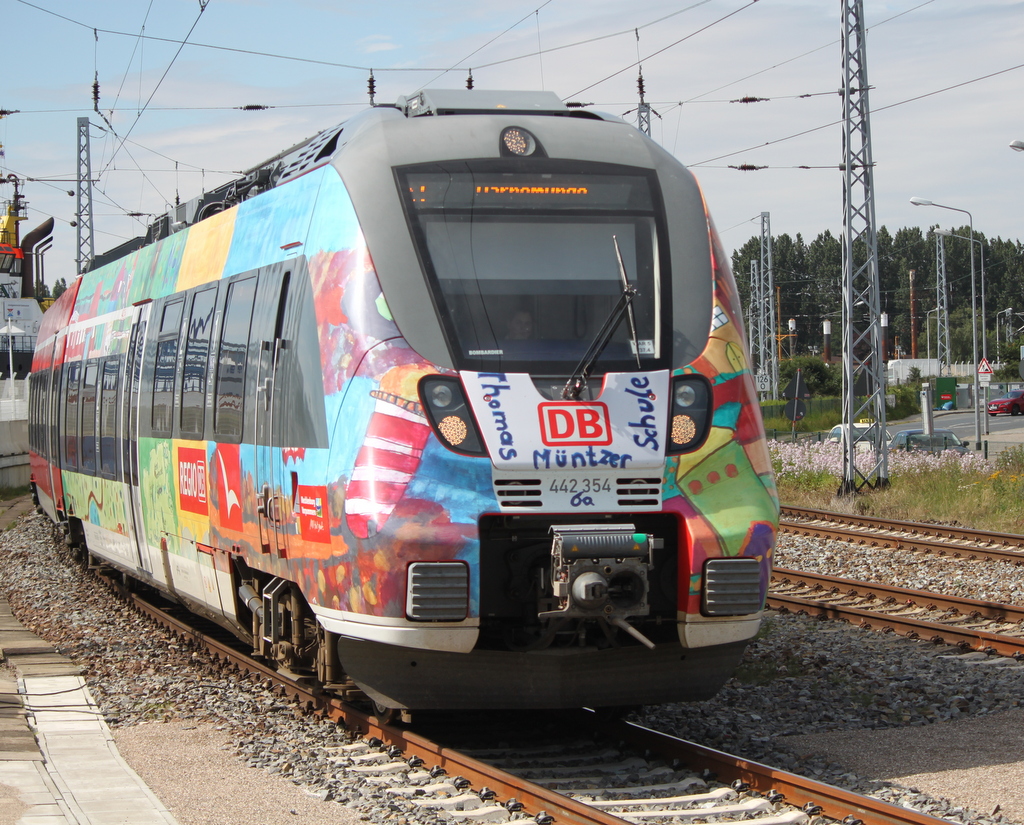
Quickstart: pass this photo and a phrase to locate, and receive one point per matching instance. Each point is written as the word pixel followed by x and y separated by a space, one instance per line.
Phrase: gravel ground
pixel 903 720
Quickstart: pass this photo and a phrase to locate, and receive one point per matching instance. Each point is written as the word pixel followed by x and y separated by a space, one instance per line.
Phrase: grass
pixel 7 493
pixel 946 488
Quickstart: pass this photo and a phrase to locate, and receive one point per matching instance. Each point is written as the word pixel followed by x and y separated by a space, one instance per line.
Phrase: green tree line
pixel 808 277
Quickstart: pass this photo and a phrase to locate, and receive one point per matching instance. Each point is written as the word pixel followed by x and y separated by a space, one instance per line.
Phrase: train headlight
pixel 449 415
pixel 441 395
pixel 685 395
pixel 518 142
pixel 453 429
pixel 690 417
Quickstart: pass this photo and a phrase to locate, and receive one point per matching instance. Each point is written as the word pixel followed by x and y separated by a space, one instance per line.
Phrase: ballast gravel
pixel 906 721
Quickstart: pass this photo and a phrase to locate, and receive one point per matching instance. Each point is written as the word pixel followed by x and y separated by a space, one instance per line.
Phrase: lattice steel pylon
pixel 942 303
pixel 754 318
pixel 86 233
pixel 766 307
pixel 863 369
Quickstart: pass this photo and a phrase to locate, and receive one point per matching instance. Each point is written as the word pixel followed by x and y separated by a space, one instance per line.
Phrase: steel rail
pixel 835 803
pixel 926 598
pixel 901 541
pixel 506 785
pixel 795 790
pixel 964 638
pixel 962 534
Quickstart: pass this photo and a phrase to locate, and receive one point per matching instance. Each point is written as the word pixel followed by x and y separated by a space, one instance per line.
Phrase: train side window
pixel 163 375
pixel 72 371
pixel 88 428
pixel 231 357
pixel 108 418
pixel 197 355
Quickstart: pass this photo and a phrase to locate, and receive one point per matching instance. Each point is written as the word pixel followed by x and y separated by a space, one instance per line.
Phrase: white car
pixel 866 433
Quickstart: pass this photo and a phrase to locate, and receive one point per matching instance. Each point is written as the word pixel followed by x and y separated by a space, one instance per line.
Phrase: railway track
pixel 969 624
pixel 936 539
pixel 592 771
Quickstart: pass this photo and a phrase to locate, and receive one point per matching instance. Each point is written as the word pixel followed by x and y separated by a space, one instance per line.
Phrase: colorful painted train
pixel 449 404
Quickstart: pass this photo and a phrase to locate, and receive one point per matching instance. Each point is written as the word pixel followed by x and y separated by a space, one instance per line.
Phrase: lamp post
pixel 1008 312
pixel 974 317
pixel 928 332
pixel 984 332
pixel 981 250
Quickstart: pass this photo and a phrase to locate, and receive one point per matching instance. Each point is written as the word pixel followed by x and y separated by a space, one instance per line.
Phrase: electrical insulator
pixel 469 80
pixel 371 86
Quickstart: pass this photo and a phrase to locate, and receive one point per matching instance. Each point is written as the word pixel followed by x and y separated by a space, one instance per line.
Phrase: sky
pixel 946 95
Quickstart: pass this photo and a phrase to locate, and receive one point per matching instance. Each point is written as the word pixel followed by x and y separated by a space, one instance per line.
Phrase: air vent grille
pixel 437 592
pixel 638 492
pixel 732 587
pixel 518 493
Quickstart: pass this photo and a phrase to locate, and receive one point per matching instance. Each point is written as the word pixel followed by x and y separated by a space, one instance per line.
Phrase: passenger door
pixel 130 430
pixel 273 503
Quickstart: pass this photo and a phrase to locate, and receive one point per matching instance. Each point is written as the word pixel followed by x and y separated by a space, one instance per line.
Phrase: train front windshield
pixel 524 266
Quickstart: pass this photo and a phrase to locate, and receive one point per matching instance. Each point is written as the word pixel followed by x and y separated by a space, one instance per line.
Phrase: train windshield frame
pixel 522 259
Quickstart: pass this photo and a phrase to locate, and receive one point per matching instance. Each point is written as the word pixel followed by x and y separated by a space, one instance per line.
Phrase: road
pixel 1003 430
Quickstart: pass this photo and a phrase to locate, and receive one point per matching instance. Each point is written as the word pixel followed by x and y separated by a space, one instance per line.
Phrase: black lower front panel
pixel 565 678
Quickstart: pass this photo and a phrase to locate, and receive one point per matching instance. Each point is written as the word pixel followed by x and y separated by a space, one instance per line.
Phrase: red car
pixel 1012 403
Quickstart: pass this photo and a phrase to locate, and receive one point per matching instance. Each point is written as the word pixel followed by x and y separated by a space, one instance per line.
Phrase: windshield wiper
pixel 624 306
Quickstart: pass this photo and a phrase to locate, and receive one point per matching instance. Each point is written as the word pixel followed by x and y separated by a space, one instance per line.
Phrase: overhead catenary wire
pixel 140 37
pixel 202 8
pixel 874 110
pixel 666 48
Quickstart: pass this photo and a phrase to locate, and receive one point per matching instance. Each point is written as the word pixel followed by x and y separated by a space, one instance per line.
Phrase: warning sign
pixel 984 368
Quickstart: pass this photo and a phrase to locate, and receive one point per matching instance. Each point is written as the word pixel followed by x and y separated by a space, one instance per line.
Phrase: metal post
pixel 862 357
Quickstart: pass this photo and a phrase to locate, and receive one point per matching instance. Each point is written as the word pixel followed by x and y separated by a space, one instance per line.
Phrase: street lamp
pixel 974 317
pixel 928 333
pixel 1017 145
pixel 1008 312
pixel 981 249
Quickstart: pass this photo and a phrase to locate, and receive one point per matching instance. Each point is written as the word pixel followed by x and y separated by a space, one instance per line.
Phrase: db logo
pixel 573 424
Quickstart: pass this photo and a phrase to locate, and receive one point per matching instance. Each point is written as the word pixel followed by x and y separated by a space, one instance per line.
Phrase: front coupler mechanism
pixel 600 571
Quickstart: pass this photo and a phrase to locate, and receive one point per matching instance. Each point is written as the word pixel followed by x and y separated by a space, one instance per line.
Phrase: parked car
pixel 938 441
pixel 1012 403
pixel 867 433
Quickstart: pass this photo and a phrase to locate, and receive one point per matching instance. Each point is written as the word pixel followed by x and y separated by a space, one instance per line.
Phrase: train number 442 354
pixel 581 485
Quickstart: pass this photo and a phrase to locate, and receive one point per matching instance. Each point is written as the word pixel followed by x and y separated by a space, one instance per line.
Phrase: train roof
pixel 309 153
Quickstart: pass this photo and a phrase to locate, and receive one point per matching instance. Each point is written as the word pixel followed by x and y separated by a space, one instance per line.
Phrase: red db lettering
pixel 572 424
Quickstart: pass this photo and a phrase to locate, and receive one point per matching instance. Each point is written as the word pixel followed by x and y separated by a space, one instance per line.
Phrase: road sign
pixel 796 388
pixel 795 409
pixel 984 368
pixel 764 382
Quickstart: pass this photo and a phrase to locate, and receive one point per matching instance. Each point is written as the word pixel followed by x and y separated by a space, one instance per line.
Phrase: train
pixel 446 407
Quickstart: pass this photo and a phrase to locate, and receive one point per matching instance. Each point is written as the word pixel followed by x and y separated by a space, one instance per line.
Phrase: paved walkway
pixel 13 509
pixel 58 762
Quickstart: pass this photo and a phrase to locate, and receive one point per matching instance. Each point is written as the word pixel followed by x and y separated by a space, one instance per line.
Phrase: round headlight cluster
pixel 518 141
pixel 691 413
pixel 444 404
pixel 453 429
pixel 683 429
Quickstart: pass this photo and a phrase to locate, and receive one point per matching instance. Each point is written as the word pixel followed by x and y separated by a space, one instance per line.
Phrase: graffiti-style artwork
pixel 726 490
pixel 391 451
